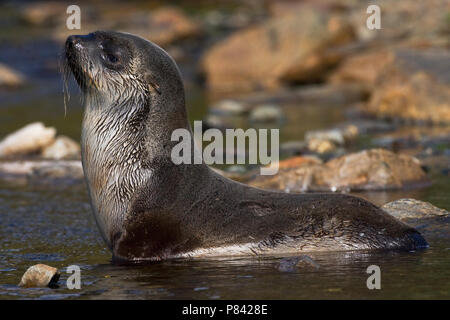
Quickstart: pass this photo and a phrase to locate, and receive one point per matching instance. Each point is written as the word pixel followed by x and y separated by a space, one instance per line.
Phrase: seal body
pixel 147 208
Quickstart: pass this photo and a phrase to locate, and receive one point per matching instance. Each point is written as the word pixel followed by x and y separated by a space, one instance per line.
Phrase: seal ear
pixel 152 83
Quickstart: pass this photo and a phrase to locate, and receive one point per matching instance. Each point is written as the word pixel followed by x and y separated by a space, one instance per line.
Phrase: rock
pixel 10 78
pixel 29 139
pixel 62 148
pixel 43 171
pixel 362 68
pixel 321 146
pixel 369 170
pixel 406 22
pixel 44 12
pixel 413 209
pixel 40 275
pixel 266 113
pixel 229 107
pixel 57 173
pixel 296 162
pixel 375 169
pixel 414 86
pixel 335 136
pixel 168 24
pixel 294 48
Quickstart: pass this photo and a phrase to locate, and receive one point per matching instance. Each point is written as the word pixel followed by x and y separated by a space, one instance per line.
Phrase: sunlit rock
pixel 40 275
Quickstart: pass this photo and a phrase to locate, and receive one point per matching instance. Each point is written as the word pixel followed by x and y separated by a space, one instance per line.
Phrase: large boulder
pixel 407 84
pixel 296 47
pixel 375 169
pixel 29 139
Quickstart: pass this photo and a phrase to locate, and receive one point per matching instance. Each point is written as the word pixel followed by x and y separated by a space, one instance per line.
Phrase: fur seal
pixel 147 208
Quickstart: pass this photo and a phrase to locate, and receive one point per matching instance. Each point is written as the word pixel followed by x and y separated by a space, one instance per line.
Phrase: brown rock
pixel 375 169
pixel 293 48
pixel 9 77
pixel 362 68
pixel 39 275
pixel 44 12
pixel 415 87
pixel 370 169
pixel 413 209
pixel 296 162
pixel 169 24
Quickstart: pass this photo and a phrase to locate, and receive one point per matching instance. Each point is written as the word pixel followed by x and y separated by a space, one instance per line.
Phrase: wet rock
pixel 62 148
pixel 29 139
pixel 413 209
pixel 40 275
pixel 296 162
pixel 292 263
pixel 364 68
pixel 57 173
pixel 369 170
pixel 321 146
pixel 168 24
pixel 414 87
pixel 375 169
pixel 43 172
pixel 294 48
pixel 335 136
pixel 10 78
pixel 266 113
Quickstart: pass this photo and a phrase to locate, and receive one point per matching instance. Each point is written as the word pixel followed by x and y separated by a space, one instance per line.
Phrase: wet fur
pixel 147 208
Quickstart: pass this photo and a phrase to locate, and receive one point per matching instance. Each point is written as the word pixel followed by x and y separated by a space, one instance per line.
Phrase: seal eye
pixel 111 58
pixel 114 56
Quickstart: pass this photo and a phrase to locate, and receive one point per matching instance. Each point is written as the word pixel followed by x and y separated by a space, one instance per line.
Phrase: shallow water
pixel 55 227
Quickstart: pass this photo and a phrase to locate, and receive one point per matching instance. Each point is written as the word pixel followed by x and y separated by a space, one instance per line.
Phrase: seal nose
pixel 73 42
pixel 78 41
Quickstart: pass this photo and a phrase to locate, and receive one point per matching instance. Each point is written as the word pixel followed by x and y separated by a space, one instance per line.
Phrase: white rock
pixel 266 113
pixel 31 138
pixel 39 275
pixel 62 147
pixel 10 77
pixel 334 135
